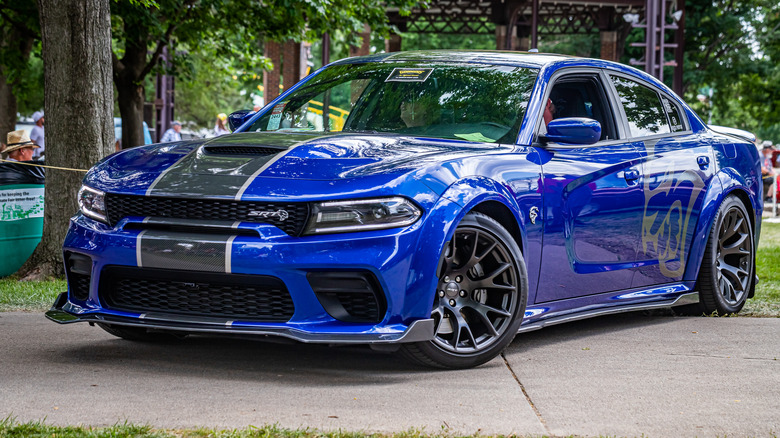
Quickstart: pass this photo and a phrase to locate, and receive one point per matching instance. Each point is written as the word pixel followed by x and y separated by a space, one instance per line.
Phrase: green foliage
pixel 585 45
pixel 29 90
pixel 20 35
pixel 416 41
pixel 213 85
pixel 734 47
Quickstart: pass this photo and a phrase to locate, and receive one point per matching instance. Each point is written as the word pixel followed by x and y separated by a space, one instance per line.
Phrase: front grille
pixel 241 150
pixel 290 217
pixel 350 296
pixel 197 294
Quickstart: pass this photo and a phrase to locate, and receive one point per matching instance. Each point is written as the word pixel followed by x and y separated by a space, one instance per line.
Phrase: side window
pixel 643 108
pixel 675 116
pixel 581 96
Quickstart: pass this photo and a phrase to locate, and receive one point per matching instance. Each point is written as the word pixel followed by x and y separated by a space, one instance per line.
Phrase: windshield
pixel 483 103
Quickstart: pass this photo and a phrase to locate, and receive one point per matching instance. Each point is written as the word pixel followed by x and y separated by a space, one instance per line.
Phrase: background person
pixel 37 136
pixel 173 134
pixel 219 127
pixel 20 147
pixel 767 168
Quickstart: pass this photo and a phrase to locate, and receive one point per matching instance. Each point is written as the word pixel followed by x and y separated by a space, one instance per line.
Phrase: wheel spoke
pixel 470 335
pixel 473 255
pixel 456 320
pixel 478 258
pixel 736 247
pixel 487 282
pixel 483 309
pixel 733 273
pixel 434 313
pixel 482 313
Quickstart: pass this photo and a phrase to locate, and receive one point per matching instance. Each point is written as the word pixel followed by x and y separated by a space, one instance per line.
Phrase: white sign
pixel 17 204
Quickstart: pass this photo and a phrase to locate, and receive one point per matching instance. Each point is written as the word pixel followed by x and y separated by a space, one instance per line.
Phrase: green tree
pixel 734 48
pixel 142 34
pixel 19 36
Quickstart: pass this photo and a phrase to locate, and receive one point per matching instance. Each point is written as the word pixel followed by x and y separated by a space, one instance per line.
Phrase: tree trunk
pixel 78 97
pixel 7 107
pixel 131 108
pixel 129 74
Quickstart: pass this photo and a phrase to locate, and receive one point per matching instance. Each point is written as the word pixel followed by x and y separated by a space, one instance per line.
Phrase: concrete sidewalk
pixel 622 375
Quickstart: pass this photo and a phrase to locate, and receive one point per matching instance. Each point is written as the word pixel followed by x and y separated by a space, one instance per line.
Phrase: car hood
pixel 277 164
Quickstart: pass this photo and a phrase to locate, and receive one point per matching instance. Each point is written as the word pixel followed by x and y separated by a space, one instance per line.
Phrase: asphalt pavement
pixel 626 375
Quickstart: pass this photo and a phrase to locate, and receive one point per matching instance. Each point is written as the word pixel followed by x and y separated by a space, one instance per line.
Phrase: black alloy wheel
pixel 480 297
pixel 727 269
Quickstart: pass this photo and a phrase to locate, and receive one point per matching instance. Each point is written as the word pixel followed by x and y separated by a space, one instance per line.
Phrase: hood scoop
pixel 243 150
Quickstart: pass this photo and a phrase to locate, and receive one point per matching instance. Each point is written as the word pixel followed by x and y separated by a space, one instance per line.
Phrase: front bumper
pixel 260 250
pixel 65 312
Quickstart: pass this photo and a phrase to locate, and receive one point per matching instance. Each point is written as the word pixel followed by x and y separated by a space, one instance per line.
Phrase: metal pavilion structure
pixel 518 25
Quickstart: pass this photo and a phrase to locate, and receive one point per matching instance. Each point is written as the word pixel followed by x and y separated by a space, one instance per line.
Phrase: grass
pixel 11 429
pixel 766 302
pixel 29 295
pixel 39 295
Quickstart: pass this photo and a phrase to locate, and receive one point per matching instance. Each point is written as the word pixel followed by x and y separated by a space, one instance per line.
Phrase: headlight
pixel 92 203
pixel 361 215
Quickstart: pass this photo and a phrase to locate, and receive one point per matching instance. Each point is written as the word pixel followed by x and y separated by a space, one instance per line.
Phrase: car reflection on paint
pixel 435 203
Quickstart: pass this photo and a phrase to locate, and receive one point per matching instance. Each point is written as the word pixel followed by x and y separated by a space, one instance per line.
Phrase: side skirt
pixel 687 298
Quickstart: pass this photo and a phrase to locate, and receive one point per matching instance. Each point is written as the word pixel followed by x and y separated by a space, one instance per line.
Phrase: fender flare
pixel 457 200
pixel 724 183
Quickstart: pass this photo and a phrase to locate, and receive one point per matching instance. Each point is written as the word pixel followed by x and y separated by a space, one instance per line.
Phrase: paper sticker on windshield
pixel 276 117
pixel 409 75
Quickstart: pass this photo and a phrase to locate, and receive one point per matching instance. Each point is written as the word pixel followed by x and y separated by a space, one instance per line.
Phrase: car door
pixel 593 199
pixel 676 164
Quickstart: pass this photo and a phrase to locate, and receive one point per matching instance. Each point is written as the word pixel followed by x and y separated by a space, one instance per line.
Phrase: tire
pixel 728 264
pixel 480 298
pixel 140 334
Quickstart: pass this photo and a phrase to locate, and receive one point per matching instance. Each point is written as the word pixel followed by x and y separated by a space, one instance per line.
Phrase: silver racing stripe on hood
pixel 165 172
pixel 210 175
pixel 273 160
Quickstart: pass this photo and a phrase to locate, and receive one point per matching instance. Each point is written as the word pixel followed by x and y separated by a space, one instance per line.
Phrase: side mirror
pixel 238 118
pixel 573 130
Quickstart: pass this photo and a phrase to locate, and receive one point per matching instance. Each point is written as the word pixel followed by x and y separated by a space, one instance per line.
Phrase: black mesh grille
pixel 198 294
pixel 241 150
pixel 79 273
pixel 361 306
pixel 349 296
pixel 290 217
pixel 78 285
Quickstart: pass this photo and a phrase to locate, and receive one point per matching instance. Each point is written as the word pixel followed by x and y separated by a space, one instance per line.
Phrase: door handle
pixel 631 175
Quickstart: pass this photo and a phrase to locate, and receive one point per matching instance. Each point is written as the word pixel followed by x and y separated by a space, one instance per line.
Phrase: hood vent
pixel 242 150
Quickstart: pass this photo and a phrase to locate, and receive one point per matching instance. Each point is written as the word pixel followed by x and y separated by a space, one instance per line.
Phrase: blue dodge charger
pixel 435 203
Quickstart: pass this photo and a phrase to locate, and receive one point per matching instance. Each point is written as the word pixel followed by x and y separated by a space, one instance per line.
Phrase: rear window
pixel 645 114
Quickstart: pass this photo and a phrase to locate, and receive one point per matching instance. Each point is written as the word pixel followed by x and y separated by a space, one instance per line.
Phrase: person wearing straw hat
pixel 20 147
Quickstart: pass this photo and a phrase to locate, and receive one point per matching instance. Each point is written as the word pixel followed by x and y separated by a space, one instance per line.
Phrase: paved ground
pixel 622 375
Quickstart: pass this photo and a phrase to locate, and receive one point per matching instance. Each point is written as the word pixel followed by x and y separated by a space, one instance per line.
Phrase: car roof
pixel 524 59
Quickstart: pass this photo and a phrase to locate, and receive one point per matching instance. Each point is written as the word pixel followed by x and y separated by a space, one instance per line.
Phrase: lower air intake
pixel 349 296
